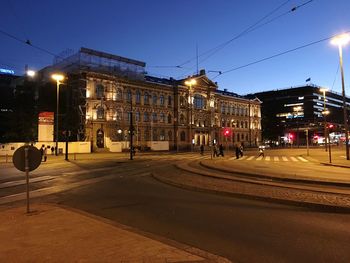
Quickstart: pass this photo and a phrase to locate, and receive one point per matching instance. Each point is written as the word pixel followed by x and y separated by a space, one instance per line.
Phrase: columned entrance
pixel 201 138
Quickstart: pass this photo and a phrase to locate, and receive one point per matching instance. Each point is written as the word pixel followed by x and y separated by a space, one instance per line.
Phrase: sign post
pixel 27 158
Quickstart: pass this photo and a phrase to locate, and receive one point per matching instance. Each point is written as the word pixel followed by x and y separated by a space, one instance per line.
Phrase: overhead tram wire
pixel 256 26
pixel 278 54
pixel 28 42
pixel 235 37
pixel 250 29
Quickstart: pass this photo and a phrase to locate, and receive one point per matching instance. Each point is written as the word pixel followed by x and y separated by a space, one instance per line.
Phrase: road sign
pixel 34 158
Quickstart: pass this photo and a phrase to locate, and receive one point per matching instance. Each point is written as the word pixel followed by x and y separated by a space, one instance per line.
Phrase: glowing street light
pixel 31 73
pixel 190 83
pixel 58 78
pixel 340 41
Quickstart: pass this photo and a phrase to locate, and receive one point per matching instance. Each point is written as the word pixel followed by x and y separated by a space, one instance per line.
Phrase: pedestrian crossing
pixel 274 159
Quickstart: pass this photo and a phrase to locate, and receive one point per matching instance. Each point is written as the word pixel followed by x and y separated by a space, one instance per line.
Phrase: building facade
pixel 112 95
pixel 294 110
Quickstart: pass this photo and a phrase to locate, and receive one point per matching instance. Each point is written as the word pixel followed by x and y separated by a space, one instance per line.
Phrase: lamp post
pixel 340 41
pixel 296 110
pixel 325 113
pixel 190 83
pixel 58 78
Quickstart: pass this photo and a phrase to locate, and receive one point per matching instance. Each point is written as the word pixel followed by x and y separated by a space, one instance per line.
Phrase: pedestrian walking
pixel 202 149
pixel 221 150
pixel 45 153
pixel 52 150
pixel 261 152
pixel 238 153
pixel 215 151
pixel 42 151
pixel 241 150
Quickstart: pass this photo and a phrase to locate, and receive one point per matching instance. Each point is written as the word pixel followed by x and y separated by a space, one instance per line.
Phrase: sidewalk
pixel 55 234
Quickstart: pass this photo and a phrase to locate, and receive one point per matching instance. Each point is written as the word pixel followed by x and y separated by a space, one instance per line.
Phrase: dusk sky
pixel 164 34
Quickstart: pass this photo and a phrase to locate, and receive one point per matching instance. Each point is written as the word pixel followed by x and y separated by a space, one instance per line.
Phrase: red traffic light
pixel 226 132
pixel 330 126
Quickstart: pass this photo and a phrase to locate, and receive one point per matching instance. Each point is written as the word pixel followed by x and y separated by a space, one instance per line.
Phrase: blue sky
pixel 166 33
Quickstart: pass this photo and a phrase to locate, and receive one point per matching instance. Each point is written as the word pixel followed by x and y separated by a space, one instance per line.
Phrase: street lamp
pixel 31 73
pixel 58 78
pixel 296 110
pixel 340 41
pixel 324 113
pixel 190 83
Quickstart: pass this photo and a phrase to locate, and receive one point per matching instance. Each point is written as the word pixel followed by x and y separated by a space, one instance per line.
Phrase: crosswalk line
pixel 293 159
pixel 259 158
pixel 284 158
pixel 302 159
pixel 250 158
pixel 267 158
pixel 276 159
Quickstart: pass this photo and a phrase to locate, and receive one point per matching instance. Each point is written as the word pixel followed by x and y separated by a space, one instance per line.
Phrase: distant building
pixel 105 93
pixel 289 112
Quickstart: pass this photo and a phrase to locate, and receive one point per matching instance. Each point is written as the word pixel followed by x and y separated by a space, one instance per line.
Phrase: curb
pixel 273 178
pixel 317 206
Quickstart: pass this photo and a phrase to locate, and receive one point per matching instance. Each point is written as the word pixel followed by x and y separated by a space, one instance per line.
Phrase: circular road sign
pixel 34 158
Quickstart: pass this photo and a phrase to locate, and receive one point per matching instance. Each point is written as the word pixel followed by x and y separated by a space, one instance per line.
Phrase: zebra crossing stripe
pixel 276 159
pixel 284 158
pixel 267 158
pixel 250 158
pixel 259 158
pixel 294 159
pixel 302 159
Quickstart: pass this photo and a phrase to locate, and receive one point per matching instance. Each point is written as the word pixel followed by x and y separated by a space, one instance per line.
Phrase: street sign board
pixel 34 158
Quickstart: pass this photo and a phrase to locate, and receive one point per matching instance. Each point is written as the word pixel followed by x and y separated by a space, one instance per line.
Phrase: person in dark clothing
pixel 238 153
pixel 52 150
pixel 42 151
pixel 221 150
pixel 241 150
pixel 202 149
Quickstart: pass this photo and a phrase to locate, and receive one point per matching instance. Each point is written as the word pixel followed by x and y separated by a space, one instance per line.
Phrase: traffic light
pixel 291 136
pixel 226 132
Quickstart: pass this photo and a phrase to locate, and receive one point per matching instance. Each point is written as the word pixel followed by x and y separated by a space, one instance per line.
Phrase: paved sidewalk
pixel 55 234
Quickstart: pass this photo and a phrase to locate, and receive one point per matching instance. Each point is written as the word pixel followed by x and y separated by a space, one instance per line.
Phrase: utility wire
pixel 335 76
pixel 278 54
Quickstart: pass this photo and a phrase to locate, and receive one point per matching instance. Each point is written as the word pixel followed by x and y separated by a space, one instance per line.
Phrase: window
pixel 100 112
pixel 170 136
pixel 182 119
pixel 154 99
pixel 182 136
pixel 154 117
pixel 137 116
pixel 145 117
pixel 169 118
pixel 100 89
pixel 162 135
pixel 128 95
pixel 138 96
pixel 162 117
pixel 246 125
pixel 119 94
pixel 182 101
pixel 146 135
pixel 128 116
pixel 146 98
pixel 169 100
pixel 161 99
pixel 222 108
pixel 242 137
pixel 199 101
pixel 154 136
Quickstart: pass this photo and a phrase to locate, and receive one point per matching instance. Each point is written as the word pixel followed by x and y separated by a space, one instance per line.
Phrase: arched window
pixel 146 98
pixel 100 90
pixel 242 125
pixel 237 137
pixel 161 100
pixel 100 112
pixel 242 137
pixel 169 119
pixel 137 116
pixel 246 125
pixel 182 136
pixel 154 99
pixel 138 96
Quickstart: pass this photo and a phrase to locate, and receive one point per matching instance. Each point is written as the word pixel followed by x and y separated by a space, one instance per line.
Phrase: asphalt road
pixel 240 229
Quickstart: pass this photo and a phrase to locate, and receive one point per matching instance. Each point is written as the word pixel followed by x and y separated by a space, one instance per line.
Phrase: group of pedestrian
pixel 43 151
pixel 218 152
